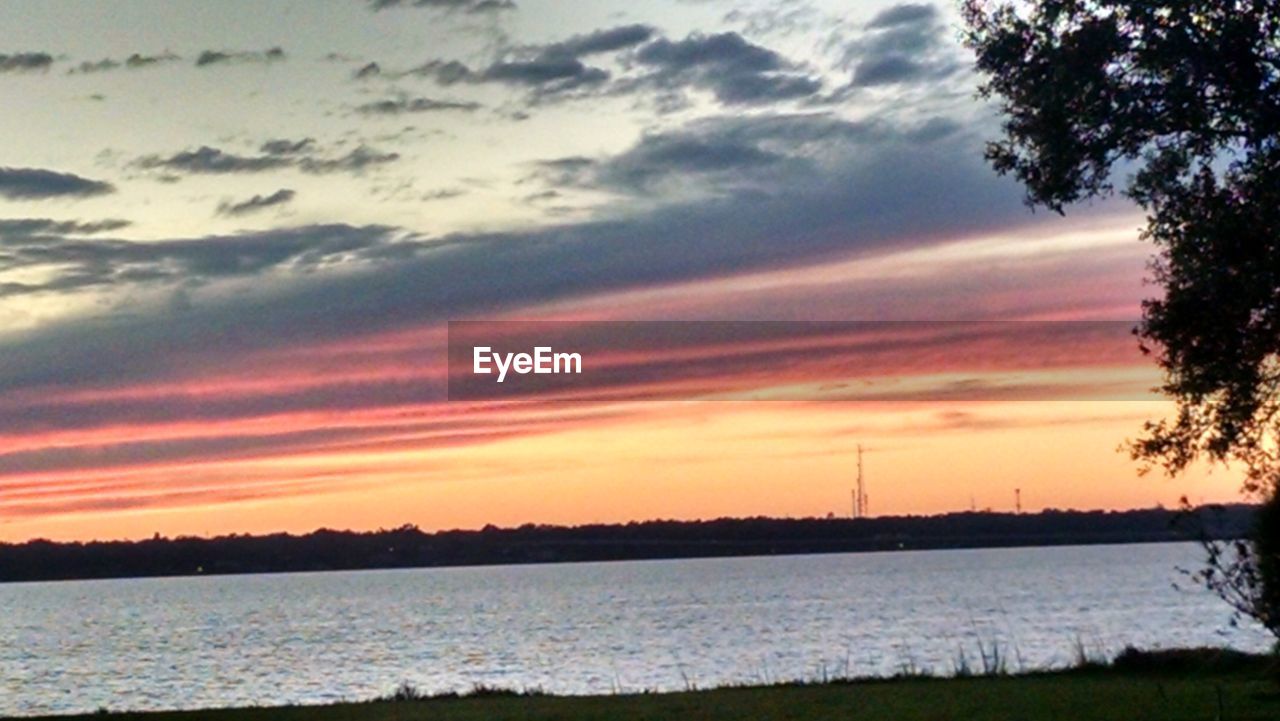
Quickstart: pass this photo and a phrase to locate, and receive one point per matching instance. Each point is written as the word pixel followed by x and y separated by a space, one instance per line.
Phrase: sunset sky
pixel 232 234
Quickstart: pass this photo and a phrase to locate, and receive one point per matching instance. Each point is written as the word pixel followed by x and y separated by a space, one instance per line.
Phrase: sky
pixel 232 235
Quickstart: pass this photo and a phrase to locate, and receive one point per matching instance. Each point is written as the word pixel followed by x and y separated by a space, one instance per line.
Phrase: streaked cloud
pixel 605 40
pixel 226 57
pixel 399 106
pixel 303 155
pixel 474 7
pixel 734 70
pixel 11 228
pixel 70 264
pixel 135 61
pixel 209 160
pixel 25 62
pixel 257 203
pixel 40 184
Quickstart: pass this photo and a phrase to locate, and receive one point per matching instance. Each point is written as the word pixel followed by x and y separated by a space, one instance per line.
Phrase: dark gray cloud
pixel 904 44
pixel 277 154
pixel 356 161
pixel 543 77
pixel 888 70
pixel 369 70
pixel 658 159
pixel 444 72
pixel 548 74
pixel 546 71
pixel 224 57
pixel 209 160
pixel 74 264
pixel 39 184
pixel 835 188
pixel 145 61
pixel 907 14
pixel 99 66
pixel 732 68
pixel 257 203
pixel 400 106
pixel 734 155
pixel 600 41
pixel 473 7
pixel 133 62
pixel 31 227
pixel 557 68
pixel 25 62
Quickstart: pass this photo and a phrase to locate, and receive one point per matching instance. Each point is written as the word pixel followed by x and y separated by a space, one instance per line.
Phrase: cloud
pixel 734 70
pixel 443 194
pixel 814 186
pixel 599 41
pixel 146 61
pixel 415 105
pixel 135 61
pixel 257 203
pixel 30 227
pixel 224 57
pixel 368 70
pixel 904 15
pixel 783 19
pixel 273 155
pixel 444 72
pixel 473 7
pixel 38 184
pixel 549 70
pixel 543 76
pixel 25 62
pixel 356 161
pixel 548 75
pixel 732 155
pixel 660 157
pixel 557 68
pixel 901 45
pixel 273 336
pixel 887 70
pixel 72 264
pixel 284 146
pixel 209 160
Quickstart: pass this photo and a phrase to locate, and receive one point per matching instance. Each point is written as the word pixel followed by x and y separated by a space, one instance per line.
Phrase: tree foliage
pixel 1183 97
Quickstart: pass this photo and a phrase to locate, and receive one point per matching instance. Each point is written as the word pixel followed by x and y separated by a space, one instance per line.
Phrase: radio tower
pixel 860 494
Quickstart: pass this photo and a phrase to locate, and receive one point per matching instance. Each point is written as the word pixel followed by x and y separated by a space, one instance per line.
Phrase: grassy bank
pixel 1182 686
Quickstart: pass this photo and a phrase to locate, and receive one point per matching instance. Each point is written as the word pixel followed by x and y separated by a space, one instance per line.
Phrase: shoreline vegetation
pixel 410 547
pixel 1171 685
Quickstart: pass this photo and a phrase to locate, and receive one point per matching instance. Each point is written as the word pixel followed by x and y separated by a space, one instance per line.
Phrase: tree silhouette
pixel 1185 95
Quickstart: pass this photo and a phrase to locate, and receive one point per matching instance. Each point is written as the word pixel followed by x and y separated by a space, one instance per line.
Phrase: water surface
pixel 588 628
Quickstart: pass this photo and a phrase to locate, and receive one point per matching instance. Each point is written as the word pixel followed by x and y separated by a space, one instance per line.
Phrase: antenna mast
pixel 860 495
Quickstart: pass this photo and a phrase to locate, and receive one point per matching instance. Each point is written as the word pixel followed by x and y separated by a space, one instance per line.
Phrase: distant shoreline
pixel 409 547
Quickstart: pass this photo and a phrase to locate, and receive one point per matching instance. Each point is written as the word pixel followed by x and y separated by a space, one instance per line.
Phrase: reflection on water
pixel 586 628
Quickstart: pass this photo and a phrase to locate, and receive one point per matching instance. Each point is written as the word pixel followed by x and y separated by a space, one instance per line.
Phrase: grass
pixel 1137 686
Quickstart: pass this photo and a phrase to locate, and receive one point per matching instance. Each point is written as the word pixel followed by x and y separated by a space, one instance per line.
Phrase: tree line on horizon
pixel 409 546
